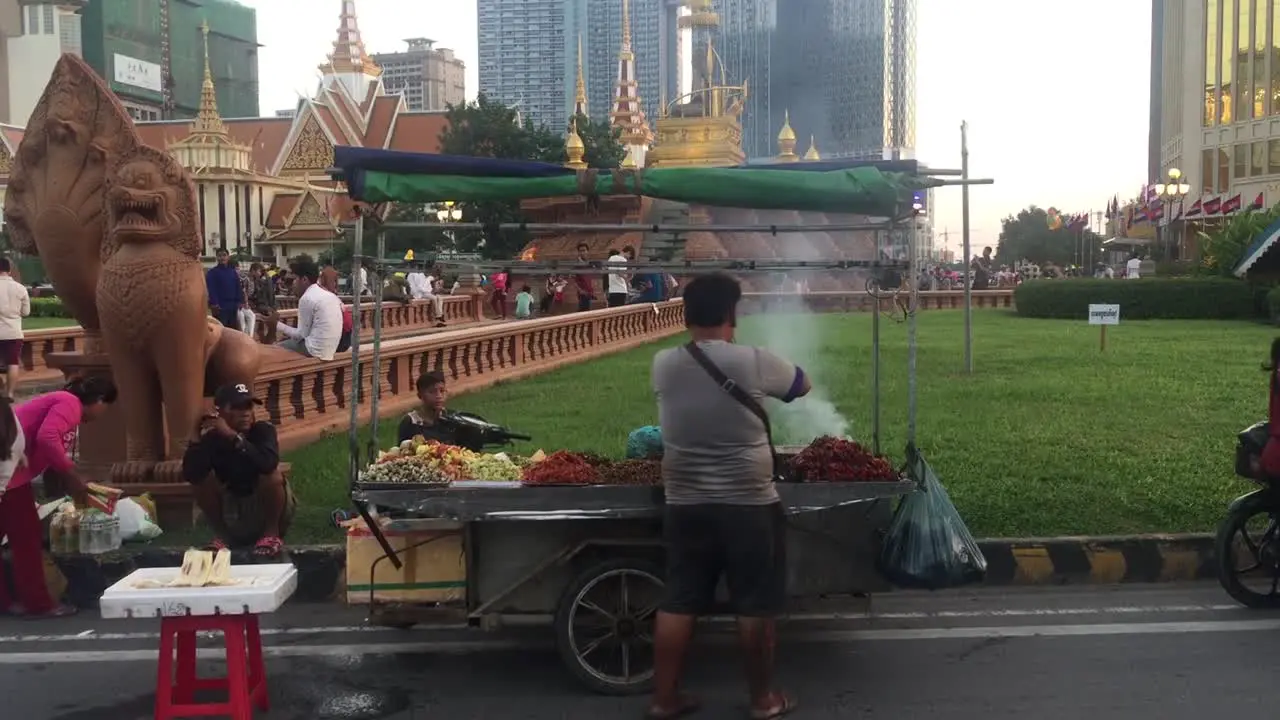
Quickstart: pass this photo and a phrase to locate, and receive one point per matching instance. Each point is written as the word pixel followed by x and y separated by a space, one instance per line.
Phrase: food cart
pixel 588 560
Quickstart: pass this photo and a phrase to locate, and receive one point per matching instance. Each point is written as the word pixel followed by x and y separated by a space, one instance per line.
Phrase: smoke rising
pixel 791 331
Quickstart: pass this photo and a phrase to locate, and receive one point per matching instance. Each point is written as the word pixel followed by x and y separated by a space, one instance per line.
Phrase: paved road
pixel 1165 652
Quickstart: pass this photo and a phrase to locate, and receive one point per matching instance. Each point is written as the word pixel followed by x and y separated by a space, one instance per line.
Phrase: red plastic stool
pixel 245 682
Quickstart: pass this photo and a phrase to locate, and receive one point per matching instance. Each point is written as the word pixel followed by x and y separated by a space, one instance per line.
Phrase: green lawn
pixel 42 323
pixel 1048 437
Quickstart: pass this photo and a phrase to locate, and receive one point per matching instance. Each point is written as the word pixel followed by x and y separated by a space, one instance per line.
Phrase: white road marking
pixel 832 637
pixel 996 613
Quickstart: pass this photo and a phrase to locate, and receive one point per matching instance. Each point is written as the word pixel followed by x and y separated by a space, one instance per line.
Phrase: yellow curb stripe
pixel 1032 565
pixel 1107 566
pixel 1178 564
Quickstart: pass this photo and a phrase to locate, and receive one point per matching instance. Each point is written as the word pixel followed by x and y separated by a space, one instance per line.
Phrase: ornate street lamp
pixel 1175 189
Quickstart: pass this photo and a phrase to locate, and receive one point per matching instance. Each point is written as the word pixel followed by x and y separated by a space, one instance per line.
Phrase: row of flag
pixel 1149 207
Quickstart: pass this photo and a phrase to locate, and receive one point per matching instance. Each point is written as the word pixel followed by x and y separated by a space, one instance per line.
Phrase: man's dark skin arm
pixel 261 446
pixel 197 461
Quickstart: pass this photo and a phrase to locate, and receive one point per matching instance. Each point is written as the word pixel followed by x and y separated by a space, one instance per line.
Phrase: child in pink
pixel 49 424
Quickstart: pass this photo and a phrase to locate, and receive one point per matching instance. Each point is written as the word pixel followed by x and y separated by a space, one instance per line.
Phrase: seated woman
pixel 234 464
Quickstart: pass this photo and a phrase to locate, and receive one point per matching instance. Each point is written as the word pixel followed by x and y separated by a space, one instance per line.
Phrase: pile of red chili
pixel 562 468
pixel 830 459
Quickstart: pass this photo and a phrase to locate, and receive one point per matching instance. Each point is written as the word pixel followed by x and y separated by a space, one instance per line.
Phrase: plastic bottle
pixel 57 530
pixel 86 534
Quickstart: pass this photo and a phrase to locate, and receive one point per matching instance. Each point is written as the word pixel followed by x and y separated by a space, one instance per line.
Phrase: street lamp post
pixel 450 212
pixel 1174 189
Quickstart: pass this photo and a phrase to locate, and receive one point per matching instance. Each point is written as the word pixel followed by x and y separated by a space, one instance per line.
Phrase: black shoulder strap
pixel 735 391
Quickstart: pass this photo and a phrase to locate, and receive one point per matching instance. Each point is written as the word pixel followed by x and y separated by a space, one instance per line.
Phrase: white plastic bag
pixel 135 524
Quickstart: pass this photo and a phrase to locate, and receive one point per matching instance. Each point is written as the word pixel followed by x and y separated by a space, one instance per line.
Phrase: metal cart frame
pixel 539 554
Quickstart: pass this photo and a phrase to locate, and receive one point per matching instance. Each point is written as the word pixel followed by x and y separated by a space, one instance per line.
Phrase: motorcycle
pixel 1253 519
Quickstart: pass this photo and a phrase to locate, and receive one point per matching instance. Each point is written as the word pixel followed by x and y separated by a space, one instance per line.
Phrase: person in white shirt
pixel 15 304
pixel 1133 268
pixel 419 285
pixel 319 327
pixel 618 281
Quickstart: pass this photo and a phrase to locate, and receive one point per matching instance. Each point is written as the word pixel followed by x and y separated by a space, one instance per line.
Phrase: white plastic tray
pixel 271 586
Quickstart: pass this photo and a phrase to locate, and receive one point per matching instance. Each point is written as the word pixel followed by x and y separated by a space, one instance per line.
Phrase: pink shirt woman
pixel 49 424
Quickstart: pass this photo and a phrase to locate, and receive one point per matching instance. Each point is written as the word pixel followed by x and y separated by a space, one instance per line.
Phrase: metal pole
pixel 375 364
pixel 353 381
pixel 875 349
pixel 911 336
pixel 964 234
pixel 639 227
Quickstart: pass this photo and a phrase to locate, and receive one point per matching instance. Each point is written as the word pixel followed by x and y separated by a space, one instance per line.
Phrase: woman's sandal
pixel 785 706
pixel 268 547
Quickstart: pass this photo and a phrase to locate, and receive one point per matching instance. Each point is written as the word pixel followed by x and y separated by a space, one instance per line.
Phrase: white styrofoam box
pixel 265 589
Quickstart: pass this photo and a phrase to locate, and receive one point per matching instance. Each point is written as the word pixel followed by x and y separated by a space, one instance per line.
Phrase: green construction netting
pixel 859 191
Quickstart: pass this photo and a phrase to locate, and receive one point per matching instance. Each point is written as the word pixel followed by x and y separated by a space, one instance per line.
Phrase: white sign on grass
pixel 1104 314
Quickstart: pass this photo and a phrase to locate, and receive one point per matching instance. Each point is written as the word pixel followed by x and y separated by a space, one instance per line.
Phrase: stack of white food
pixel 200 568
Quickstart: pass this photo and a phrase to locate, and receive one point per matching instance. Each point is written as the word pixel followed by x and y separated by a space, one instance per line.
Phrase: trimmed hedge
pixel 1178 298
pixel 48 307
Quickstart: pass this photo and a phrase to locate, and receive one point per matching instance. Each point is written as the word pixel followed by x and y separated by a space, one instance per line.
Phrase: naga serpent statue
pixel 115 224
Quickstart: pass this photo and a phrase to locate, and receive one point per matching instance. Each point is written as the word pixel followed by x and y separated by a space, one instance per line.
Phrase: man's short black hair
pixel 629 249
pixel 306 269
pixel 710 300
pixel 428 380
pixel 222 251
pixel 6 265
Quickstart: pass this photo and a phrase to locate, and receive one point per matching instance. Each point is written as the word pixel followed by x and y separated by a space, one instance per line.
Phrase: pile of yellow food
pixel 426 461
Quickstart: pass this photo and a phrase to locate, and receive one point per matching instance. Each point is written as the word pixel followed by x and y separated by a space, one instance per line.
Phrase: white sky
pixel 1056 100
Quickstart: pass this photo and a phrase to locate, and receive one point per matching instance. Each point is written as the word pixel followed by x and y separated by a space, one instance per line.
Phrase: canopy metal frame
pixel 883 228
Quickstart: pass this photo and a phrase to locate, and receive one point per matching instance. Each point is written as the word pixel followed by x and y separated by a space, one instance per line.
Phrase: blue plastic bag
pixel 928 546
pixel 645 443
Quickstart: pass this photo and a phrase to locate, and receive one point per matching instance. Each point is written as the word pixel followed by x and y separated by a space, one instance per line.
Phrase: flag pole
pixel 964 235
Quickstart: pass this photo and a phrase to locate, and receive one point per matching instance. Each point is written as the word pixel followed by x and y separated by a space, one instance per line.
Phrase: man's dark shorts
pixel 745 543
pixel 10 352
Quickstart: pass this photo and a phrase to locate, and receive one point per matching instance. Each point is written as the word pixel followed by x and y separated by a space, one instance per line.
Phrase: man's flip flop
pixel 784 707
pixel 688 706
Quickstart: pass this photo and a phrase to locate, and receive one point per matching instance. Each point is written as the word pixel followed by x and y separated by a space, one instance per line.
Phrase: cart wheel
pixel 604 626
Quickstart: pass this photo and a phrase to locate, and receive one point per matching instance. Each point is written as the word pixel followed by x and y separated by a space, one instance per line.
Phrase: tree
pixel 1027 236
pixel 486 128
pixel 1222 248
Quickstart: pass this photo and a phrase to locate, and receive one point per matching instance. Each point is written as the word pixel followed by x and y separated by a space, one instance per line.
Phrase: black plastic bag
pixel 928 545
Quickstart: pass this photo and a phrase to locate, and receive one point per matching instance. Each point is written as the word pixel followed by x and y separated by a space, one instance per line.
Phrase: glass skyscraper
pixel 529 51
pixel 846 70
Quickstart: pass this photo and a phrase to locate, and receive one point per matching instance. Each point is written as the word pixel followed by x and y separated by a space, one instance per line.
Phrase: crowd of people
pixel 985 275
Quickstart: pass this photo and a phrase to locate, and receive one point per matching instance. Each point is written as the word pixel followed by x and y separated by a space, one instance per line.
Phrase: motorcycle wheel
pixel 1261 553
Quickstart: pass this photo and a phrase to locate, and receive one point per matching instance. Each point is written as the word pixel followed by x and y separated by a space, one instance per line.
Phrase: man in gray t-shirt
pixel 723 516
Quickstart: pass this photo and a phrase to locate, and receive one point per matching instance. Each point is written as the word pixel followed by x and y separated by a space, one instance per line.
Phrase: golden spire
pixel 208 121
pixel 573 147
pixel 787 140
pixel 812 152
pixel 580 90
pixel 349 55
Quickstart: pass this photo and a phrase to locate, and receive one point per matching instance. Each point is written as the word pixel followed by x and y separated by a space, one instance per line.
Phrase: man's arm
pixel 25 303
pixel 261 446
pixel 779 378
pixel 197 461
pixel 306 315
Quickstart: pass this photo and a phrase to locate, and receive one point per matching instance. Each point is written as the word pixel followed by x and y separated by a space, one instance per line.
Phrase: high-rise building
pixel 529 51
pixel 151 54
pixel 846 70
pixel 47 31
pixel 524 56
pixel 745 43
pixel 429 78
